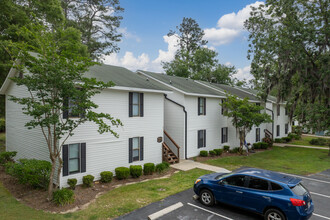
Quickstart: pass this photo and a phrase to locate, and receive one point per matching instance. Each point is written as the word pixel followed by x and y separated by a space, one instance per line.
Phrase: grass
pixel 305 141
pixel 114 203
pixel 301 161
pixel 2 141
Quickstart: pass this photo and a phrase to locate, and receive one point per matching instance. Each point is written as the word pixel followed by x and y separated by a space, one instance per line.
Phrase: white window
pixel 136 104
pixel 74 158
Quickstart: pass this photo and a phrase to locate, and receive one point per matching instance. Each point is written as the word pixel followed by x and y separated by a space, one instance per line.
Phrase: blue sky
pixel 146 23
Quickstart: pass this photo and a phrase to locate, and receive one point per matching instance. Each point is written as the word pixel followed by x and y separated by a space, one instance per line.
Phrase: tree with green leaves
pixel 54 78
pixel 244 115
pixel 290 49
pixel 193 59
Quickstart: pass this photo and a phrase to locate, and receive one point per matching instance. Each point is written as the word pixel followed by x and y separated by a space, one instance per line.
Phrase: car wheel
pixel 206 197
pixel 274 214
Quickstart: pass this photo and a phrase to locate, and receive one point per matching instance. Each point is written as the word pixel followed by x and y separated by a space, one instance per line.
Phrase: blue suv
pixel 271 194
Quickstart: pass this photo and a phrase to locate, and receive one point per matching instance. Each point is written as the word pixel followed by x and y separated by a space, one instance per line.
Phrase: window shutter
pixel 65 108
pixel 141 148
pixel 83 157
pixel 204 138
pixel 227 134
pixel 199 133
pixel 198 104
pixel 204 106
pixel 222 141
pixel 130 104
pixel 141 104
pixel 130 150
pixel 65 158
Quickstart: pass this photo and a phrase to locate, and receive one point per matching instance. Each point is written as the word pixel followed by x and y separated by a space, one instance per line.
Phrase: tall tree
pixel 98 21
pixel 193 59
pixel 290 48
pixel 244 115
pixel 56 84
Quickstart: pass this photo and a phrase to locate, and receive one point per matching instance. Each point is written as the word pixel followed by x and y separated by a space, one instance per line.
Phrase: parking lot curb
pixel 165 211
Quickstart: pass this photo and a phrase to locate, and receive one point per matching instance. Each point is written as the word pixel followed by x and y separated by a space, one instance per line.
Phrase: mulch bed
pixel 37 198
pixel 227 154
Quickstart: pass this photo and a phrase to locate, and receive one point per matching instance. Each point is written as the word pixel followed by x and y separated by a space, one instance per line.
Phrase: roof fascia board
pixel 138 89
pixel 7 81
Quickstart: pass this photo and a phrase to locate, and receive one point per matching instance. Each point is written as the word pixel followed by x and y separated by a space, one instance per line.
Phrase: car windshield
pixel 222 175
pixel 299 190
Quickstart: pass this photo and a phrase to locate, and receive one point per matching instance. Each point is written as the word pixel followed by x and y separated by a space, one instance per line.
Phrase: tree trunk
pixel 51 179
pixel 59 168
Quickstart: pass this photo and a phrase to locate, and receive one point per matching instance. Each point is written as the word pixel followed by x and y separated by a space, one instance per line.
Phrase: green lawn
pixel 301 161
pixel 2 141
pixel 305 141
pixel 115 203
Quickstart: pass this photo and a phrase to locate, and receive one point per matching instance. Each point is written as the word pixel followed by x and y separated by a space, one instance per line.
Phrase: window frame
pixel 286 128
pixel 203 142
pixel 201 106
pixel 257 134
pixel 224 139
pixel 278 132
pixel 138 149
pixel 278 110
pixel 138 104
pixel 77 158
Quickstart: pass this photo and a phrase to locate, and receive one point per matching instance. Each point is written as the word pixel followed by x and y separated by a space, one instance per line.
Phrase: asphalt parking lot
pixel 318 185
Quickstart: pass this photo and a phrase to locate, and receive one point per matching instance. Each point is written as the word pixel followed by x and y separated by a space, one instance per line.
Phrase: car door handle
pixel 239 192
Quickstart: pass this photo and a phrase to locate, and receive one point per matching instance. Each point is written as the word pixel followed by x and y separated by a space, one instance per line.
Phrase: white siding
pixel 105 152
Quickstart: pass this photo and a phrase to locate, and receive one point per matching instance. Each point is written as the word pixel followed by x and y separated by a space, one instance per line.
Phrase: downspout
pixel 272 120
pixel 185 123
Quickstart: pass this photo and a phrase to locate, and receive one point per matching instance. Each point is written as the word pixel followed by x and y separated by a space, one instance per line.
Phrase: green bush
pixel 278 140
pixel 135 170
pixel 263 145
pixel 286 139
pixel 148 168
pixel 88 180
pixel 122 173
pixel 268 140
pixel 297 129
pixel 203 153
pixel 63 197
pixel 33 172
pixel 106 176
pixel 167 165
pixel 212 153
pixel 160 167
pixel 7 156
pixel 234 150
pixel 294 136
pixel 72 183
pixel 318 141
pixel 256 146
pixel 226 148
pixel 218 152
pixel 2 125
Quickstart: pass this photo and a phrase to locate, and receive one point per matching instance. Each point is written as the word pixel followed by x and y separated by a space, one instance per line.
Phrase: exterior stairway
pixel 168 155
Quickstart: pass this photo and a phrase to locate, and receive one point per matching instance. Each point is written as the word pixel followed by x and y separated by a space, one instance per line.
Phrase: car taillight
pixel 297 202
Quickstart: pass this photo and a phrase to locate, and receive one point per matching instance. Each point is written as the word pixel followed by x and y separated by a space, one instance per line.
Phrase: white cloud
pixel 128 35
pixel 229 26
pixel 228 64
pixel 168 55
pixel 244 73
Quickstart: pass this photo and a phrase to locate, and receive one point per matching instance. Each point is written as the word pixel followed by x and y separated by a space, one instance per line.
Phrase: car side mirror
pixel 221 182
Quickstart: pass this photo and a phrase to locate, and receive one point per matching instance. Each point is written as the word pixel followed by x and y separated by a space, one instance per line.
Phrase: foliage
pixel 268 140
pixel 148 168
pixel 88 180
pixel 244 115
pixel 297 130
pixel 279 140
pixel 63 197
pixel 218 152
pixel 226 148
pixel 7 156
pixel 122 173
pixel 203 153
pixel 135 171
pixel 212 153
pixel 319 141
pixel 2 124
pixel 106 176
pixel 286 139
pixel 166 164
pixel 34 172
pixel 161 167
pixel 235 150
pixel 294 136
pixel 290 50
pixel 72 183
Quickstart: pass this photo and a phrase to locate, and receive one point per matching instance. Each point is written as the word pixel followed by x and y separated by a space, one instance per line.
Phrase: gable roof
pixel 184 85
pixel 270 98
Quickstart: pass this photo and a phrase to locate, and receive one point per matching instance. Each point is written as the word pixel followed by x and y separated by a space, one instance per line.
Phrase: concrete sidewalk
pixel 185 165
pixel 302 146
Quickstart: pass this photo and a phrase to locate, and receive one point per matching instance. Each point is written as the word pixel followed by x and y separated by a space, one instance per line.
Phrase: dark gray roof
pixel 123 77
pixel 184 84
pixel 232 90
pixel 255 92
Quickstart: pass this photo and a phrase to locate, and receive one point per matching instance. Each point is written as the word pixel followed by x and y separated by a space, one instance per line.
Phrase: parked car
pixel 271 194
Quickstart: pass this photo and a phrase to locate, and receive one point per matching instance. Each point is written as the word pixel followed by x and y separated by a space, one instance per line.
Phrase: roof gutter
pixel 185 123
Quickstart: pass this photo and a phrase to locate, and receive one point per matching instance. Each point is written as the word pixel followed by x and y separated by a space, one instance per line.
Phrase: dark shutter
pixel 204 138
pixel 226 134
pixel 83 157
pixel 204 106
pixel 141 148
pixel 130 150
pixel 65 158
pixel 222 139
pixel 198 137
pixel 130 104
pixel 65 108
pixel 198 104
pixel 141 104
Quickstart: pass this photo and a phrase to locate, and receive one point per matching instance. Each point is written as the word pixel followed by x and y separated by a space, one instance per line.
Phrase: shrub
pixel 7 156
pixel 212 153
pixel 63 197
pixel 2 125
pixel 256 145
pixel 122 173
pixel 268 140
pixel 167 165
pixel 226 148
pixel 297 129
pixel 88 180
pixel 318 141
pixel 234 150
pixel 135 170
pixel 148 168
pixel 218 152
pixel 278 140
pixel 286 139
pixel 33 172
pixel 160 168
pixel 203 153
pixel 106 176
pixel 72 183
pixel 263 145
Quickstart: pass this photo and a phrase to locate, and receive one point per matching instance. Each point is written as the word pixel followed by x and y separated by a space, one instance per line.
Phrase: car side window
pixel 259 184
pixel 237 180
pixel 275 186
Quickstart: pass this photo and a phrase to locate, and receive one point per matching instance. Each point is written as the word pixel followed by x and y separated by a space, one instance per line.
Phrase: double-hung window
pixel 201 106
pixel 135 149
pixel 277 130
pixel 224 135
pixel 135 104
pixel 74 158
pixel 201 138
pixel 257 134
